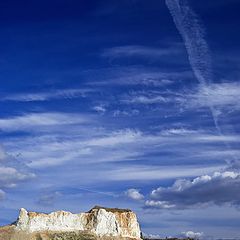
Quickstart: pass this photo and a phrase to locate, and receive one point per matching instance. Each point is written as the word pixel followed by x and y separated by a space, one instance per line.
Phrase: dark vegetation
pixel 169 239
pixel 113 210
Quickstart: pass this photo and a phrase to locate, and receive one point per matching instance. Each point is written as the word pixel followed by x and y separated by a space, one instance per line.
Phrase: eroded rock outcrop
pixel 100 221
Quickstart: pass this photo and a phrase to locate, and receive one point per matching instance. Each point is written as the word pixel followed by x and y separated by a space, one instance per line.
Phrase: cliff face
pixel 99 221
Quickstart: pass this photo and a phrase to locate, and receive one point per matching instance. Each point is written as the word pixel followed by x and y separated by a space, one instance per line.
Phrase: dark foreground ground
pixel 169 239
pixel 9 233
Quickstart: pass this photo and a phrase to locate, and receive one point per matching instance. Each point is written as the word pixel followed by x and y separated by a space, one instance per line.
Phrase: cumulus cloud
pixel 219 188
pixel 159 204
pixel 134 194
pixel 191 234
pixel 151 236
pixel 187 234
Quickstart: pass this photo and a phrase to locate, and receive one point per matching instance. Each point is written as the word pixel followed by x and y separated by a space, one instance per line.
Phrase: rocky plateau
pixel 98 223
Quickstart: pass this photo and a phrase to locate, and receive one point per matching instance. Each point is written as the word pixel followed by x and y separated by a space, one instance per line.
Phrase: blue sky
pixel 131 104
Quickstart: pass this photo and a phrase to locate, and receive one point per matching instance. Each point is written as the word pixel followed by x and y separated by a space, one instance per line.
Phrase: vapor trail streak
pixel 98 192
pixel 192 33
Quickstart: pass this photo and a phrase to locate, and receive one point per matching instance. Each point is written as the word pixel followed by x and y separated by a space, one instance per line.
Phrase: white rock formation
pixel 99 221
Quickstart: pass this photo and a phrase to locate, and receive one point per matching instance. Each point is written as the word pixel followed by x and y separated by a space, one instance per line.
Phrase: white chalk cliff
pixel 99 221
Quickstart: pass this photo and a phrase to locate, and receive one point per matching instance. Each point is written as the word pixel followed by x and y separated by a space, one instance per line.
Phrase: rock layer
pixel 100 221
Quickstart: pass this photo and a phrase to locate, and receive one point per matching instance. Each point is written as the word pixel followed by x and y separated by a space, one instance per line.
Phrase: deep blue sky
pixel 101 104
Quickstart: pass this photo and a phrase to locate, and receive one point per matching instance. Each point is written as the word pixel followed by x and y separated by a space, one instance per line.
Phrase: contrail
pixel 192 33
pixel 98 192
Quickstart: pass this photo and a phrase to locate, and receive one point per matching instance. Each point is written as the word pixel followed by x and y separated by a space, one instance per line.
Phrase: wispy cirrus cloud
pixel 141 51
pixel 12 173
pixel 193 34
pixel 35 121
pixel 223 96
pixel 88 143
pixel 143 99
pixel 220 95
pixel 101 109
pixel 97 148
pixel 151 173
pixel 47 96
pixel 132 76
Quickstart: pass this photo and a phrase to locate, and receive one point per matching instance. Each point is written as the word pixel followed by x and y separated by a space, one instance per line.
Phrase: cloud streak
pixel 192 33
pixel 221 95
pixel 35 121
pixel 46 96
pixel 139 51
pixel 86 142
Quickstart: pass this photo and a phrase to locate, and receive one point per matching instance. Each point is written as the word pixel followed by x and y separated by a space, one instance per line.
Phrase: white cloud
pixel 143 172
pixel 134 194
pixel 220 95
pixel 192 32
pixel 10 177
pixel 86 143
pixel 100 109
pixel 141 99
pixel 138 76
pixel 140 51
pixel 159 204
pixel 33 121
pixel 218 188
pixel 45 96
pixel 11 172
pixel 194 235
pixel 116 138
pixel 129 113
pixel 179 131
